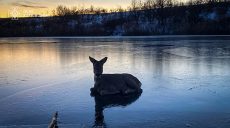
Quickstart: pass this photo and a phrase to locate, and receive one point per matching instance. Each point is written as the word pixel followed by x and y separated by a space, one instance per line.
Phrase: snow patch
pixel 209 15
pixel 72 23
pixel 228 13
pixel 119 31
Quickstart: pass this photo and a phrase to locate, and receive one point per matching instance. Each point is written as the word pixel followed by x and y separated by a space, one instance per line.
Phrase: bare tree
pixel 62 11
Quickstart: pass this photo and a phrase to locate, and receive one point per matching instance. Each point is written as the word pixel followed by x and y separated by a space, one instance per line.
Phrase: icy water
pixel 185 81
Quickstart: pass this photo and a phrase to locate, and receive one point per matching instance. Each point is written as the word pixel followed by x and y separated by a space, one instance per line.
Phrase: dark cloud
pixel 27 4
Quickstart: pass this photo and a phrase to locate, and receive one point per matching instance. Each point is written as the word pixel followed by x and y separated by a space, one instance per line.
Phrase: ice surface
pixel 185 80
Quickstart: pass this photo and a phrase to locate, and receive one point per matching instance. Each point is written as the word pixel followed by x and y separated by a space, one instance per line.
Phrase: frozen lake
pixel 185 81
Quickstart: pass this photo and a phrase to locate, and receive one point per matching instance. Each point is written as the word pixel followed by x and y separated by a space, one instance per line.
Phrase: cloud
pixel 27 4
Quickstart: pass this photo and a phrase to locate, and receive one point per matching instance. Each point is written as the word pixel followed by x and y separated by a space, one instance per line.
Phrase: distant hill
pixel 208 19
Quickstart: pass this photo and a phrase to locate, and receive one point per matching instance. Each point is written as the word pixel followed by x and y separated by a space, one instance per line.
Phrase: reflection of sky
pixel 185 78
pixel 138 57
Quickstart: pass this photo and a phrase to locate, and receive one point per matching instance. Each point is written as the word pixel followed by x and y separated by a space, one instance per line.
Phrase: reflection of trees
pixel 136 56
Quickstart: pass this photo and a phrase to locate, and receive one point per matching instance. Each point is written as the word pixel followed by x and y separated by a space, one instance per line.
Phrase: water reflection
pixel 40 72
pixel 138 55
pixel 104 102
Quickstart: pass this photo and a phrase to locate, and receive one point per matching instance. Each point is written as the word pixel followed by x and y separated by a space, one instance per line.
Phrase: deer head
pixel 98 65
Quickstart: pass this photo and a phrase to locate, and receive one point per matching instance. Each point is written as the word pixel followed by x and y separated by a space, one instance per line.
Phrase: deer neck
pixel 97 77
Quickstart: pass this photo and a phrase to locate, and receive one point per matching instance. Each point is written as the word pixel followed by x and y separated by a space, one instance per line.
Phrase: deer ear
pixel 92 59
pixel 103 60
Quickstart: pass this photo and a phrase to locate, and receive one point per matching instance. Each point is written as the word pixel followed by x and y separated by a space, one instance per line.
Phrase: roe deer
pixel 106 84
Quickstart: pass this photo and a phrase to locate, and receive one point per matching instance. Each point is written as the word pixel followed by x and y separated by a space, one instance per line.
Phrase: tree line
pixel 135 5
pixel 151 17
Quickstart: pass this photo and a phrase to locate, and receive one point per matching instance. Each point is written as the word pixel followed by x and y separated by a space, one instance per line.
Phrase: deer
pixel 109 84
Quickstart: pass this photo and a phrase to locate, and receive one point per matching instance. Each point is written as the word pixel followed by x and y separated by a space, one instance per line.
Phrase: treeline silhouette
pixel 152 17
pixel 136 5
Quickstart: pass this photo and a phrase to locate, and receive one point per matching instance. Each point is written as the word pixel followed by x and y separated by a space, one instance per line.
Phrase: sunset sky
pixel 45 7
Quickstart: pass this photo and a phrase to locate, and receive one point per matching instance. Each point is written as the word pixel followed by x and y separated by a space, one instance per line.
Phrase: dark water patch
pixel 170 55
pixel 158 45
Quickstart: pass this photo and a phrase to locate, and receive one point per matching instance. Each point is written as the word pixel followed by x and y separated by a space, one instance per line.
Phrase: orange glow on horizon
pixel 29 8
